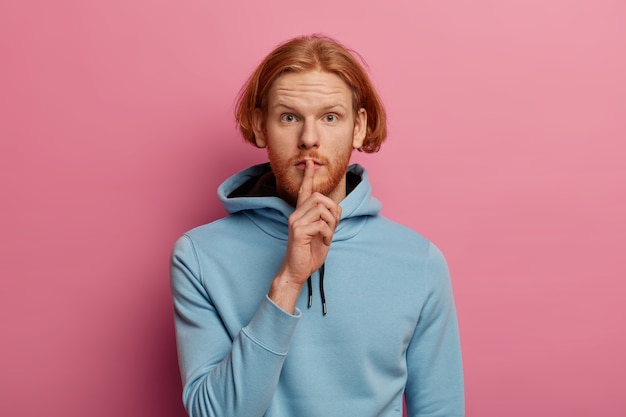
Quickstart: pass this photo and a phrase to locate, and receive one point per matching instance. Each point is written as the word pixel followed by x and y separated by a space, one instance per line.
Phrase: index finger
pixel 306 187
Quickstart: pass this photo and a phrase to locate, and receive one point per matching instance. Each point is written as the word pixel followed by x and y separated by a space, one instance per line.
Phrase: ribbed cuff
pixel 272 327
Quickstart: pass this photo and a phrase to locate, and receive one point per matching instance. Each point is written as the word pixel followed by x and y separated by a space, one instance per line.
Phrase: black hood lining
pixel 264 185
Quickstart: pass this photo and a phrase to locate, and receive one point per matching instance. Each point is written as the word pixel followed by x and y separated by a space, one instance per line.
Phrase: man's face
pixel 310 116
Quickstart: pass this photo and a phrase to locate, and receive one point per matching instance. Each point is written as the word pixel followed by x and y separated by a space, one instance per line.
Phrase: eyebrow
pixel 325 108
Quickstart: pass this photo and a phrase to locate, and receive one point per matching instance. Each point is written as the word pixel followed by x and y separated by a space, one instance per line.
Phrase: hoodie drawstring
pixel 310 286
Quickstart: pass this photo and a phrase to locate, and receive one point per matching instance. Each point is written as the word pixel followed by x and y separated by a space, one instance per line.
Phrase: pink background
pixel 506 147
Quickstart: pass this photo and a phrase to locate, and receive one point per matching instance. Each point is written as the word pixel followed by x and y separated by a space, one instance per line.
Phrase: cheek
pixel 346 138
pixel 279 138
pixel 276 154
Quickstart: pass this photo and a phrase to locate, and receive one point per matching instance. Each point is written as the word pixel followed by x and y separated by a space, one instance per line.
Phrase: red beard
pixel 289 178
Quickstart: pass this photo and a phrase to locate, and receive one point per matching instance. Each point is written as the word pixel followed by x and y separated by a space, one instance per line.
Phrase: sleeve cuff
pixel 272 327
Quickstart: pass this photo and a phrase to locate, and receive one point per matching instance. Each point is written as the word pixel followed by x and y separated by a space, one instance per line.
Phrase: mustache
pixel 304 155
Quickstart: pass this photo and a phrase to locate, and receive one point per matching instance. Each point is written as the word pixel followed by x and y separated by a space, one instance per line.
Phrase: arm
pixel 238 378
pixel 311 229
pixel 435 382
pixel 224 377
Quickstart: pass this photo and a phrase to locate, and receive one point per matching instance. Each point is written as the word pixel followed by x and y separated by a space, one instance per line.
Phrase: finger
pixel 313 214
pixel 306 187
pixel 317 207
pixel 337 212
pixel 318 229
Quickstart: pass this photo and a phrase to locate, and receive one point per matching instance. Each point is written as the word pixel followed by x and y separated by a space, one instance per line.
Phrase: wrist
pixel 285 292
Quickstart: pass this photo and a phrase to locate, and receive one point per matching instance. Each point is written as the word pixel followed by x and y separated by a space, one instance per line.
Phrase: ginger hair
pixel 308 53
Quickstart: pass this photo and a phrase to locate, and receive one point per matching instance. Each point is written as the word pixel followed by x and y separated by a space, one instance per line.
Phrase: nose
pixel 309 136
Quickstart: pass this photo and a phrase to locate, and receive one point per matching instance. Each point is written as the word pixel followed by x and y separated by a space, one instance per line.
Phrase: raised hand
pixel 311 229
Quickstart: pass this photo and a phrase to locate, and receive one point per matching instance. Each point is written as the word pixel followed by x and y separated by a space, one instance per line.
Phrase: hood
pixel 253 192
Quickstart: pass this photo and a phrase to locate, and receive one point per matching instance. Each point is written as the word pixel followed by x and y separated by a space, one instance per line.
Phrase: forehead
pixel 309 87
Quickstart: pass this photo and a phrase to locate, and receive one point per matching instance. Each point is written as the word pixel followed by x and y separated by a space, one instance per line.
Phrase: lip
pixel 301 164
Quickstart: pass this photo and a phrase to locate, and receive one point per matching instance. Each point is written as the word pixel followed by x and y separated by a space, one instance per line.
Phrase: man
pixel 254 336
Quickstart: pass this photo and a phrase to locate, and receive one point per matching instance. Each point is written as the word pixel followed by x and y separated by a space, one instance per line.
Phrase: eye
pixel 330 118
pixel 288 117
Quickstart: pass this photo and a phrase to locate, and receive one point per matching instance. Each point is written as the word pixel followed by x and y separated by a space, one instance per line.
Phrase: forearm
pixel 230 363
pixel 435 381
pixel 284 292
pixel 244 381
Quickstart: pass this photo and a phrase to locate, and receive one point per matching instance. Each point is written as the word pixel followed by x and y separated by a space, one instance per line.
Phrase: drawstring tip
pixel 310 287
pixel 322 288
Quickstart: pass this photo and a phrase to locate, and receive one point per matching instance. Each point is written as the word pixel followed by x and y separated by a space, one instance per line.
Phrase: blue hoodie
pixel 390 327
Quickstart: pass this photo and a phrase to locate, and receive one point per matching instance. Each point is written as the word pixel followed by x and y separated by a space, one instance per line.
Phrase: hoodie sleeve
pixel 222 376
pixel 435 380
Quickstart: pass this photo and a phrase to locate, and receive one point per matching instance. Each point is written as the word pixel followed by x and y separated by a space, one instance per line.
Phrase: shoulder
pixel 413 245
pixel 391 230
pixel 210 231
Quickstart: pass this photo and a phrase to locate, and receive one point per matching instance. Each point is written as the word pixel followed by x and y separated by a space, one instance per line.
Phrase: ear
pixel 360 128
pixel 260 138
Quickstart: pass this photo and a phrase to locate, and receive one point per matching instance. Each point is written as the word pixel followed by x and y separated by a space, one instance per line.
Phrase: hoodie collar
pixel 253 192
